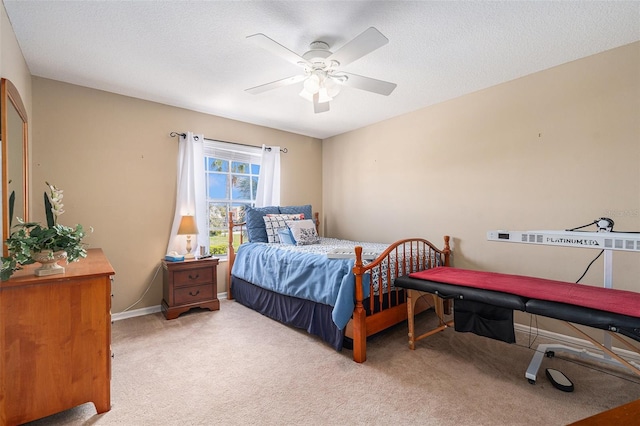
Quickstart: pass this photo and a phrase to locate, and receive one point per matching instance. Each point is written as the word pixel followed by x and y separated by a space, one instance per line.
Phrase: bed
pixel 341 291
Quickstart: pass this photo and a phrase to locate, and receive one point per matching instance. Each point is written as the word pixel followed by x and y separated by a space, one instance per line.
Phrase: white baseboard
pixel 574 341
pixel 146 311
pixel 135 313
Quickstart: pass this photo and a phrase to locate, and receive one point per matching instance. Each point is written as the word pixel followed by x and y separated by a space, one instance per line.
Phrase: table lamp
pixel 188 227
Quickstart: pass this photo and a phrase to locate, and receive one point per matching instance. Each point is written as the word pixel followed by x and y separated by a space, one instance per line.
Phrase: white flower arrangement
pixel 31 238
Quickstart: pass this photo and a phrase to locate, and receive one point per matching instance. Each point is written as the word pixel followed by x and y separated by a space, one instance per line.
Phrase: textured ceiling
pixel 195 55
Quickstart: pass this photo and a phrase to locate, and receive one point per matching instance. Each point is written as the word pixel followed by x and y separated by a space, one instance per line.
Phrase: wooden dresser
pixel 55 340
pixel 627 414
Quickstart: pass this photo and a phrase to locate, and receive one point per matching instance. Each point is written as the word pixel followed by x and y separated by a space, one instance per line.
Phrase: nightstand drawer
pixel 193 277
pixel 185 295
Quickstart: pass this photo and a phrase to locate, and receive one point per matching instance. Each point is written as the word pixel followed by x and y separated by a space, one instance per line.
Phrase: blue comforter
pixel 304 275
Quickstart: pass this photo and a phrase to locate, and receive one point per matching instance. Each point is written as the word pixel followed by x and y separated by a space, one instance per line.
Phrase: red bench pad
pixel 605 299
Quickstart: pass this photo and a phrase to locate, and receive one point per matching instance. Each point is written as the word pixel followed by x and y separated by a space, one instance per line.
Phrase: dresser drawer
pixel 186 295
pixel 193 277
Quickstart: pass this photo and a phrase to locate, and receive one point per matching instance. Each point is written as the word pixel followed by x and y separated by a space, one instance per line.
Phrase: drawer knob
pixel 194 294
pixel 191 277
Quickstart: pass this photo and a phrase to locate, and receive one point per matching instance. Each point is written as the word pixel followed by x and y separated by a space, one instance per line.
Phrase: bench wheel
pixel 550 354
pixel 531 381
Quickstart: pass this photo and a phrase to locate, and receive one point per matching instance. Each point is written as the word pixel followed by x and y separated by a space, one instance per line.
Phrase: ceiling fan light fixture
pixel 306 95
pixel 322 93
pixel 331 87
pixel 323 96
pixel 318 83
pixel 312 84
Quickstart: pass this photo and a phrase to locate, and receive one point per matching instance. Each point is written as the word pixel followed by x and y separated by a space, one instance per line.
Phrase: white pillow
pixel 274 222
pixel 304 232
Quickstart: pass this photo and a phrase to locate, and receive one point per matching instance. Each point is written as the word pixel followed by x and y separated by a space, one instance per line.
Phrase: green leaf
pixel 12 202
pixel 8 267
pixel 48 211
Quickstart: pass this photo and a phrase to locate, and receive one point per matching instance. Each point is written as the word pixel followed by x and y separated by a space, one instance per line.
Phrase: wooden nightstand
pixel 189 284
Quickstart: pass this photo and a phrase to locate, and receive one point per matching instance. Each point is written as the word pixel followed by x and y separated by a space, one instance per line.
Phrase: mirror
pixel 13 136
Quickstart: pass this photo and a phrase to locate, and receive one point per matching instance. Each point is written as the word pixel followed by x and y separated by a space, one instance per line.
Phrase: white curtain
pixel 268 193
pixel 190 195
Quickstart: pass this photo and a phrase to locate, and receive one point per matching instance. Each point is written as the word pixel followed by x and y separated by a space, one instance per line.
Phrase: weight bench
pixel 484 303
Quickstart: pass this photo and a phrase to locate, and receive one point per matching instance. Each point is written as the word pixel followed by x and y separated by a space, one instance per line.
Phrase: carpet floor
pixel 235 366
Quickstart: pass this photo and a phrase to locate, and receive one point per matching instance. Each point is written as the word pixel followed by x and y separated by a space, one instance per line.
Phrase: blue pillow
pixel 256 230
pixel 286 237
pixel 306 209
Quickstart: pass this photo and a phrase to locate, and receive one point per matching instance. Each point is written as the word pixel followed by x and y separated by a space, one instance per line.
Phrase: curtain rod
pixel 184 135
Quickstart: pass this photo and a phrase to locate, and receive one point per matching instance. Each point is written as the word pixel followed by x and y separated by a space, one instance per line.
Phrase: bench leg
pixel 550 348
pixel 439 307
pixel 412 298
pixel 410 318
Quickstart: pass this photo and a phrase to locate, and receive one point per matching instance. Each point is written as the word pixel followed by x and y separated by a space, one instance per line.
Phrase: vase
pixel 49 260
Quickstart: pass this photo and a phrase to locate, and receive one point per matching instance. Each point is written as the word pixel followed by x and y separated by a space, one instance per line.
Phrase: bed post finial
pixel 447 251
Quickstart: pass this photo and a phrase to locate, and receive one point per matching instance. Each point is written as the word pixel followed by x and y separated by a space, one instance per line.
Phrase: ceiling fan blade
pixel 369 84
pixel 370 40
pixel 275 84
pixel 319 107
pixel 278 49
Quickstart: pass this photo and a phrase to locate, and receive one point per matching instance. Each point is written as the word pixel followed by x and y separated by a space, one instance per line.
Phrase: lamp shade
pixel 323 96
pixel 312 84
pixel 187 226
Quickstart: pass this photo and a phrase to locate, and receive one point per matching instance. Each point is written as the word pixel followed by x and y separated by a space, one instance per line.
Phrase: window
pixel 231 180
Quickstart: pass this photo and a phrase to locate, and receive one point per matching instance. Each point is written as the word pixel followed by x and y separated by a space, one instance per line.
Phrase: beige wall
pixel 553 150
pixel 13 67
pixel 12 63
pixel 113 157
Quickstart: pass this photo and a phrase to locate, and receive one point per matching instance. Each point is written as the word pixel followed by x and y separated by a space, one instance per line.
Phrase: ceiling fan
pixel 322 76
